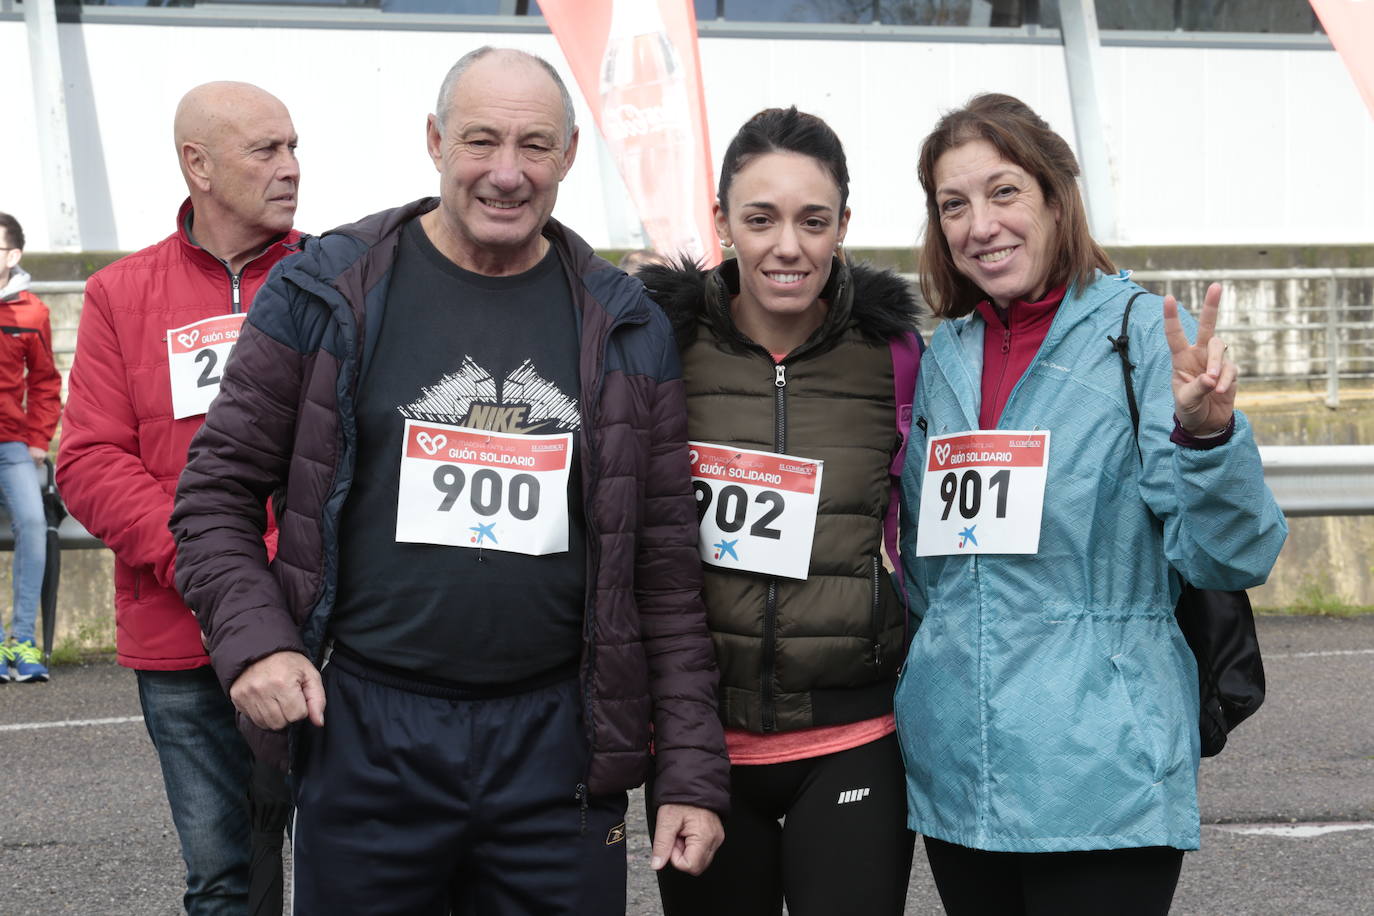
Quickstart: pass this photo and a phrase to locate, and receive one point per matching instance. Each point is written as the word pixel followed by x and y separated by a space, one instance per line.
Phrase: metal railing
pixel 1289 337
pixel 1290 334
pixel 1289 331
pixel 57 287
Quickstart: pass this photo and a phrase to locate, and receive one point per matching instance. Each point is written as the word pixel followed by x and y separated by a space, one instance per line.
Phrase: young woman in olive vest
pixel 788 349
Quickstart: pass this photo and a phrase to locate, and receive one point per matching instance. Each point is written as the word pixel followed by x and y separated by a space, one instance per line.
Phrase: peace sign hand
pixel 1204 380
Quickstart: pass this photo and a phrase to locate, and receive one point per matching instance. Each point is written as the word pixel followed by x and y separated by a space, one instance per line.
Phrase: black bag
pixel 1219 626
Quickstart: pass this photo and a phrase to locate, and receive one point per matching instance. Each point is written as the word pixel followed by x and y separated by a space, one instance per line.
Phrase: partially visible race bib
pixel 757 510
pixel 983 492
pixel 464 487
pixel 196 355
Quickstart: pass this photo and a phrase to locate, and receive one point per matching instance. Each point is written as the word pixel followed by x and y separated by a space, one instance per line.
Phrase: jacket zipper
pixel 876 618
pixel 1002 370
pixel 770 610
pixel 235 280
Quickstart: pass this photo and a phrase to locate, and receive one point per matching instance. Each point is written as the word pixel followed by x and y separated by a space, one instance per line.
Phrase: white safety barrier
pixel 1320 479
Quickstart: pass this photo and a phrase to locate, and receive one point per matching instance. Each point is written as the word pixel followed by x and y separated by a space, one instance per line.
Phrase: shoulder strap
pixel 906 361
pixel 1121 346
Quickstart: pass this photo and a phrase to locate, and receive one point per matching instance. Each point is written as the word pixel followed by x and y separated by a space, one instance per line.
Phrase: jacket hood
pixel 877 302
pixel 18 283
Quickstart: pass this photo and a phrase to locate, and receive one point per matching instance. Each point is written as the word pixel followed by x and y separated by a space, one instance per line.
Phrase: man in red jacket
pixel 156 329
pixel 30 400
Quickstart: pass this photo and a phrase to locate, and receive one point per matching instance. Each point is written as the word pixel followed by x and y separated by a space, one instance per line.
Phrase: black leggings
pixel 829 833
pixel 1123 882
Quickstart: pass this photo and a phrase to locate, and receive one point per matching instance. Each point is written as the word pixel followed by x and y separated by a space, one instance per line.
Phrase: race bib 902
pixel 196 355
pixel 466 487
pixel 756 510
pixel 983 492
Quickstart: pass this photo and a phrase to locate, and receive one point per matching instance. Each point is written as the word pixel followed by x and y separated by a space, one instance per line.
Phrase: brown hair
pixel 1021 137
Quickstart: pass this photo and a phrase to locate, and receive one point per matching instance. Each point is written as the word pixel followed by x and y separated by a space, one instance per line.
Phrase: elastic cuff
pixel 1181 436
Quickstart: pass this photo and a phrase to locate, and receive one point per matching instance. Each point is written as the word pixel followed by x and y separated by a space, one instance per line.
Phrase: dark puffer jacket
pixel 284 425
pixel 824 651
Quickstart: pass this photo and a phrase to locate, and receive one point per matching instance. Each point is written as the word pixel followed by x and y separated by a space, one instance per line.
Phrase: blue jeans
pixel 206 766
pixel 19 487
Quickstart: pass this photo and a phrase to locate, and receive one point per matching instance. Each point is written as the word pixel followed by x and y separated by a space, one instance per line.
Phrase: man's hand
pixel 686 836
pixel 278 690
pixel 39 455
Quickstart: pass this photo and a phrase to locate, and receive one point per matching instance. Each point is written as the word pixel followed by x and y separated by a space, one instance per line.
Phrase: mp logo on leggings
pixel 852 795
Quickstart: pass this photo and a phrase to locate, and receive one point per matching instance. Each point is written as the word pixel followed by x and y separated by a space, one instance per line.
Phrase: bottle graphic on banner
pixel 646 117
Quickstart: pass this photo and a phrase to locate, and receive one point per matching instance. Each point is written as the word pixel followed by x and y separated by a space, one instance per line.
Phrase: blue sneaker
pixel 25 659
pixel 5 656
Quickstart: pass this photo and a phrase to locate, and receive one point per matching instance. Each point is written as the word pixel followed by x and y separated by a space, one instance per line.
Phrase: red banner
pixel 1350 26
pixel 637 64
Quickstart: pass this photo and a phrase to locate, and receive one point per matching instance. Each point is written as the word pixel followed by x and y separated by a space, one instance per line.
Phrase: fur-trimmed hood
pixel 878 302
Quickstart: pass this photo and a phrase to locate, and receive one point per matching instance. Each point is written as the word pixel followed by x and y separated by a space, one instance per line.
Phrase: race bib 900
pixel 196 355
pixel 756 510
pixel 464 487
pixel 983 492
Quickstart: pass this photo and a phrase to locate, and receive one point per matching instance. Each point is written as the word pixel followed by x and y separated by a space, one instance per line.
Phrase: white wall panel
pixel 1209 146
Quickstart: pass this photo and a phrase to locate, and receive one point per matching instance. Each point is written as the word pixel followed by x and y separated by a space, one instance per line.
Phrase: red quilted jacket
pixel 30 386
pixel 121 450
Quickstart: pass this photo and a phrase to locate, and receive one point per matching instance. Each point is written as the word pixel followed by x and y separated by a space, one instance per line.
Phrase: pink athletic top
pixel 751 749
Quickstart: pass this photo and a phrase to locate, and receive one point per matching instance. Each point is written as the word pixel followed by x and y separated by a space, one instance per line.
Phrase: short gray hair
pixel 456 72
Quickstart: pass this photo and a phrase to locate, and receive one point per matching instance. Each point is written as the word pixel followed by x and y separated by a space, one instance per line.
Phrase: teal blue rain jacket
pixel 1049 701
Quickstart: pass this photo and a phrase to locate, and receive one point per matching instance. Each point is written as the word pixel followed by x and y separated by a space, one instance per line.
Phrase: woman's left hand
pixel 1204 380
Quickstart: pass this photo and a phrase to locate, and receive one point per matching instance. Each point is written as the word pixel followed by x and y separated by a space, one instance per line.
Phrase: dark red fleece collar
pixel 1010 342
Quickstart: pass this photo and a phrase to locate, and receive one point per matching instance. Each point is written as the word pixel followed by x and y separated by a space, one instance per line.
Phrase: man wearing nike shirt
pixel 475 435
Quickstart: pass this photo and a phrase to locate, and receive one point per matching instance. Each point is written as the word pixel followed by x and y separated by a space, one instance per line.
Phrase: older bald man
pixel 155 331
pixel 496 674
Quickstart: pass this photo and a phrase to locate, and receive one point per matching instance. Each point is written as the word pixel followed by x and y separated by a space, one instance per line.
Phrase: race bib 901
pixel 983 492
pixel 464 487
pixel 196 355
pixel 756 510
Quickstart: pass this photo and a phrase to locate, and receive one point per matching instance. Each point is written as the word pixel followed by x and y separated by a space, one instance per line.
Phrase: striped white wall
pixel 1209 146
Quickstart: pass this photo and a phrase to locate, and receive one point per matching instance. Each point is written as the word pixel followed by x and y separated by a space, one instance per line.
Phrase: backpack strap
pixel 1121 346
pixel 906 361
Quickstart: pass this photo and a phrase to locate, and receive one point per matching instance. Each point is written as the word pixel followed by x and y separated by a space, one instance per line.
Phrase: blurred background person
pixel 30 401
pixel 632 262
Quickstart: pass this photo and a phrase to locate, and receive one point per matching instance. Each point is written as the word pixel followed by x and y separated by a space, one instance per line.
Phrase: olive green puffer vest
pixel 824 651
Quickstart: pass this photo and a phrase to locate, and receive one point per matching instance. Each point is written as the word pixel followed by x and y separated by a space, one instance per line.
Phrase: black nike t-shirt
pixel 494 353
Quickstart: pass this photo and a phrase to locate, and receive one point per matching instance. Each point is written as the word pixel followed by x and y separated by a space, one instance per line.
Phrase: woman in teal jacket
pixel 1048 707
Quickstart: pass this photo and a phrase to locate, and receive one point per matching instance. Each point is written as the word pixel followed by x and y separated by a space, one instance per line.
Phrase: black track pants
pixel 829 833
pixel 1123 882
pixel 412 804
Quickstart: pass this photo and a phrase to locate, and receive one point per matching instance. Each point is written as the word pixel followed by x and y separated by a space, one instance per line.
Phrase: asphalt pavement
pixel 1288 807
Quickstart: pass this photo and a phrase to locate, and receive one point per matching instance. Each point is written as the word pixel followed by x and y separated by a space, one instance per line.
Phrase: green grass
pixel 1316 600
pixel 69 652
pixel 91 643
